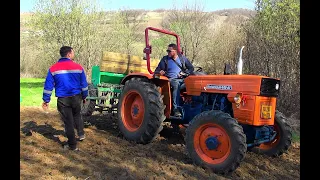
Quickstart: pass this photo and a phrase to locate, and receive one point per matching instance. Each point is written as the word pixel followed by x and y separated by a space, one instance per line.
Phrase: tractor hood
pixel 246 84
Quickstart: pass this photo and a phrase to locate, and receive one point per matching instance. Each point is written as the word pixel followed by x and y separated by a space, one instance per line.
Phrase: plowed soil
pixel 105 154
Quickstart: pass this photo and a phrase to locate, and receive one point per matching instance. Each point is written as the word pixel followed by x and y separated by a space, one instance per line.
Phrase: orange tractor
pixel 224 115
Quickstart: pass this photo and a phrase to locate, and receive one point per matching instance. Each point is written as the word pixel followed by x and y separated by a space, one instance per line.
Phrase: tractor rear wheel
pixel 140 111
pixel 281 142
pixel 88 107
pixel 216 141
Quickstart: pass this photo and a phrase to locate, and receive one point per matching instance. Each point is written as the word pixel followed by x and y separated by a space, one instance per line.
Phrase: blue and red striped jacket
pixel 67 77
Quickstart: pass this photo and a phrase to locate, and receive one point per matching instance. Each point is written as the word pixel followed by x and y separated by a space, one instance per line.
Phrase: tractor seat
pixel 227 69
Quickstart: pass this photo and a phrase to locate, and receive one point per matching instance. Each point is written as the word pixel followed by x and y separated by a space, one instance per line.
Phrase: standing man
pixel 173 66
pixel 71 87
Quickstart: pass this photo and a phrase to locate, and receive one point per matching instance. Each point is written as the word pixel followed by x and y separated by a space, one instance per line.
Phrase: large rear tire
pixel 281 142
pixel 140 111
pixel 88 108
pixel 216 141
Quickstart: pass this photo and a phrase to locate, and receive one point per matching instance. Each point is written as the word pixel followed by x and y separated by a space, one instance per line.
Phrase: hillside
pixel 154 18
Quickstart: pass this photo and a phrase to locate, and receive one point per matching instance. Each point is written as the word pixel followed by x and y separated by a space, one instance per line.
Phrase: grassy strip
pixel 31 90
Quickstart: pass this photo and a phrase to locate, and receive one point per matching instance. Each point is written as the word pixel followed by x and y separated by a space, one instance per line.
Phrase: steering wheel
pixel 199 69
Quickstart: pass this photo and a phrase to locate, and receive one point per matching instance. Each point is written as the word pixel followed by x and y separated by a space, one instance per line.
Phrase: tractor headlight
pixel 237 98
pixel 277 86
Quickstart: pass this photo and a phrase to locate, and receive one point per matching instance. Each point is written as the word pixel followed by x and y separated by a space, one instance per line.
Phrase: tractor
pixel 223 115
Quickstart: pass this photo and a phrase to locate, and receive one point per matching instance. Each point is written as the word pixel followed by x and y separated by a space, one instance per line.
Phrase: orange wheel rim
pixel 132 110
pixel 212 143
pixel 269 145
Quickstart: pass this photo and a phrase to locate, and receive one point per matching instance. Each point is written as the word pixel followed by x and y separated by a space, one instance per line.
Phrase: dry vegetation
pixel 106 155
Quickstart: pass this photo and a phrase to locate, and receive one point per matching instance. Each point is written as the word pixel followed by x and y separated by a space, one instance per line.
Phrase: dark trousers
pixel 176 84
pixel 69 109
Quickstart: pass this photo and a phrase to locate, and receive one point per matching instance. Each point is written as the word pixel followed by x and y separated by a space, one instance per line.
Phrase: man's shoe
pixel 177 113
pixel 75 149
pixel 67 147
pixel 82 137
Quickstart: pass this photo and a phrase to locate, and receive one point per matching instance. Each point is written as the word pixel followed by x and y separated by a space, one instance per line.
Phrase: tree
pixel 273 44
pixel 223 46
pixel 125 31
pixel 159 44
pixel 191 23
pixel 71 23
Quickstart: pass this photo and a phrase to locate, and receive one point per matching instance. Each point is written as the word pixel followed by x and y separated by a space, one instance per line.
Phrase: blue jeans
pixel 175 84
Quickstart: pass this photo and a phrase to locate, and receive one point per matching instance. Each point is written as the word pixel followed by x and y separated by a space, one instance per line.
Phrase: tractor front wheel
pixel 281 142
pixel 216 141
pixel 140 111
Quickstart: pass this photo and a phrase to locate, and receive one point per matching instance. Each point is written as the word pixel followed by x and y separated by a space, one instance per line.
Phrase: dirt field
pixel 104 154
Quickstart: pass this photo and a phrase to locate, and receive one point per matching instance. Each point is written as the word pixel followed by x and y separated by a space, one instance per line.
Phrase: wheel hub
pixel 133 110
pixel 212 143
pixel 136 111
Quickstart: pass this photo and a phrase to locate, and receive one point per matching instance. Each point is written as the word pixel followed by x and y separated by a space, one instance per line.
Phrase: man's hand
pixel 45 106
pixel 162 72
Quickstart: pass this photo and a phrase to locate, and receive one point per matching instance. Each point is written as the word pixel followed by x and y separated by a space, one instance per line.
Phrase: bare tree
pixel 191 23
pixel 125 30
pixel 222 47
pixel 68 22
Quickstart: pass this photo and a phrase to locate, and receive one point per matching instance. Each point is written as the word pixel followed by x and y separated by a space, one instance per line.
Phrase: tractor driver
pixel 174 66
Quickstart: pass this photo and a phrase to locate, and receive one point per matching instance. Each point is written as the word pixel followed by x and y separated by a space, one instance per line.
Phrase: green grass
pixel 31 90
pixel 295 137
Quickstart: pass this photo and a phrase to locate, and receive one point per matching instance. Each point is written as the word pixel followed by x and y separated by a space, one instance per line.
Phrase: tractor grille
pixel 268 87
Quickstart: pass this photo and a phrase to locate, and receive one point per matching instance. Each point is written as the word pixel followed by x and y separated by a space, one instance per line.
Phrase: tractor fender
pixel 142 75
pixel 161 82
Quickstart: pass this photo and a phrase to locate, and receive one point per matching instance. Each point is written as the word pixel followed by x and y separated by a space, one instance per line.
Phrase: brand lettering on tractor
pixel 219 87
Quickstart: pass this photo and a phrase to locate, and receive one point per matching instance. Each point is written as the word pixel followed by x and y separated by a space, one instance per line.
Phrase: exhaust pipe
pixel 240 62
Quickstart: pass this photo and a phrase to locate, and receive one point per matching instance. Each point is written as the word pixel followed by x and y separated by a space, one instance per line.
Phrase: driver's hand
pixel 162 72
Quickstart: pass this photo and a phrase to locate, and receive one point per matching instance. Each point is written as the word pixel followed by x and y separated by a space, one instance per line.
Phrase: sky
pixel 209 5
